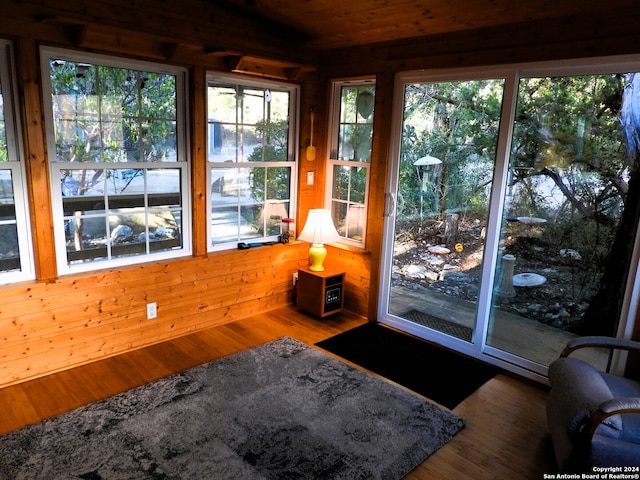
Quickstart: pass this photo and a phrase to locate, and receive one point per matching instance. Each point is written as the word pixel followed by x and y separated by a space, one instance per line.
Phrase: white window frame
pixel 291 162
pixel 17 168
pixel 333 160
pixel 182 162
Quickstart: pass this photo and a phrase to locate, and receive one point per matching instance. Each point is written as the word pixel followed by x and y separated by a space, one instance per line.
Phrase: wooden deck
pixel 505 435
pixel 512 333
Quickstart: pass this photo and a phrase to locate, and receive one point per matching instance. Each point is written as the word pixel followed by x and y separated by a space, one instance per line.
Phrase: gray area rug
pixel 282 410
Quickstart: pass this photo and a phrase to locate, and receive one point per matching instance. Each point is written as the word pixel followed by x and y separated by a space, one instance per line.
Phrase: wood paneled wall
pixel 50 326
pixel 54 323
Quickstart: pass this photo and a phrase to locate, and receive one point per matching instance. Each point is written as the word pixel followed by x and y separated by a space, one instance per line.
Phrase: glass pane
pixel 568 174
pixel 163 186
pixel 270 219
pixel 114 139
pixel 346 142
pixel 158 99
pixel 109 114
pixel 446 164
pixel 358 186
pixel 224 224
pixel 222 103
pixel 4 154
pixel 341 176
pixel 355 222
pixel 278 183
pixel 231 185
pixel 252 222
pixel 6 188
pixel 339 216
pixel 9 246
pixel 279 107
pixel 252 105
pixel 86 238
pixel 82 190
pixel 356 123
pixel 161 143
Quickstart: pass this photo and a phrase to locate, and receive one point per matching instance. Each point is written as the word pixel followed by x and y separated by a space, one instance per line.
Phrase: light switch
pixel 310 178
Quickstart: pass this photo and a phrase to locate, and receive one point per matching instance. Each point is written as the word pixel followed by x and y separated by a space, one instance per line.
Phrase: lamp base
pixel 317 254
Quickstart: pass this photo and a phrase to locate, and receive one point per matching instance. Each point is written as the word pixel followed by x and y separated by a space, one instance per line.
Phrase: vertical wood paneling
pixel 29 86
pixel 46 327
pixel 198 151
pixel 378 182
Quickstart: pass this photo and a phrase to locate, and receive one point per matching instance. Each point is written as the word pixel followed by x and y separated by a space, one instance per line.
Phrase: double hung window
pixel 350 157
pixel 116 132
pixel 251 156
pixel 15 243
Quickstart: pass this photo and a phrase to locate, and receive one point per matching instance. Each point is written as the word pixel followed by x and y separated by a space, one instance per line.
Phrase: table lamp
pixel 318 230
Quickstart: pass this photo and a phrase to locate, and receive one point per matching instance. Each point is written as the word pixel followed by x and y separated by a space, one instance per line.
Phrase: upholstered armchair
pixel 593 416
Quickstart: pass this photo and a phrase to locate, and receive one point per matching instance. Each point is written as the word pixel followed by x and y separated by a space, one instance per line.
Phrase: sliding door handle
pixel 389 204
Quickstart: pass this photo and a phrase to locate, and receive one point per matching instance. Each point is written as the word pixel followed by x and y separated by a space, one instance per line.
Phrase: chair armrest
pixel 612 407
pixel 599 342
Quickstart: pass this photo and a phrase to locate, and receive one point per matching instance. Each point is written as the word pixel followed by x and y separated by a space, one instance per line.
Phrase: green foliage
pixel 271 183
pixel 567 131
pixel 110 114
pixel 4 154
pixel 457 123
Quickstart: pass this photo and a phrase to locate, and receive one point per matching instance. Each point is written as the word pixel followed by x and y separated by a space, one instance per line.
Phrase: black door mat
pixel 450 328
pixel 439 374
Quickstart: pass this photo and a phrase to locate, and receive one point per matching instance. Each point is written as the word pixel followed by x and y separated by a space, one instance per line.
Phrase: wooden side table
pixel 320 293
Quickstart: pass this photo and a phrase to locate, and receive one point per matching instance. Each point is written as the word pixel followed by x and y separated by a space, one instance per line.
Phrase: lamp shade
pixel 319 228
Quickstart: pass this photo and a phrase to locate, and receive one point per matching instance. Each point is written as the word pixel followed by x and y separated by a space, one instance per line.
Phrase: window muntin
pixel 118 157
pixel 350 157
pixel 16 261
pixel 251 153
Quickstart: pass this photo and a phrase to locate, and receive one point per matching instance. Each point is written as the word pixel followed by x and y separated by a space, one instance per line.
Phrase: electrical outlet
pixel 152 310
pixel 295 278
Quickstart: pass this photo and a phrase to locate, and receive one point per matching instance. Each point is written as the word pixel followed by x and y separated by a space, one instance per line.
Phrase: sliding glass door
pixel 512 207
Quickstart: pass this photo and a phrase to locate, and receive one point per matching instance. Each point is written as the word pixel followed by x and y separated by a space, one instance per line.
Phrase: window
pixel 350 157
pixel 116 134
pixel 15 242
pixel 251 150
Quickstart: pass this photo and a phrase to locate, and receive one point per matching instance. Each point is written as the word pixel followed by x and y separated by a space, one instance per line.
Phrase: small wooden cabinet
pixel 320 293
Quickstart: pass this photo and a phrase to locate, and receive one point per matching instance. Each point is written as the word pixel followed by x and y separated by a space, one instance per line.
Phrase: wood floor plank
pixel 505 435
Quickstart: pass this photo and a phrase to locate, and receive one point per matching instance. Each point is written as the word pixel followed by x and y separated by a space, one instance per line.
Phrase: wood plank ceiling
pixel 331 24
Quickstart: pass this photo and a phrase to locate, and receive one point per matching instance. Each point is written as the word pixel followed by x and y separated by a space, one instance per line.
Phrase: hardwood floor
pixel 505 435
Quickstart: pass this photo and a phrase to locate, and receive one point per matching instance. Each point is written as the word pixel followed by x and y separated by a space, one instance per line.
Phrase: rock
pixel 438 250
pixel 431 276
pixel 570 253
pixel 122 234
pixel 432 259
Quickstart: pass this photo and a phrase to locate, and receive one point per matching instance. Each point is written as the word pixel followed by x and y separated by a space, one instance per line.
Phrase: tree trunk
pixel 451 229
pixel 601 318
